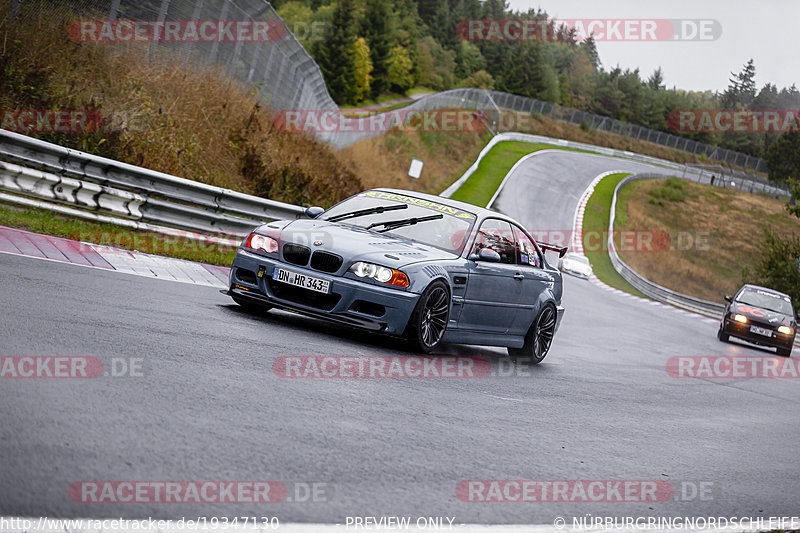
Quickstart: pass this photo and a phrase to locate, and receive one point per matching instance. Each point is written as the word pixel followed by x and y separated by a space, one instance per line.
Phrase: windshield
pixel 766 300
pixel 447 233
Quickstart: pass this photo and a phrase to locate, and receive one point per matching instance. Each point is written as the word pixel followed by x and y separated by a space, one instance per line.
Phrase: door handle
pixel 519 276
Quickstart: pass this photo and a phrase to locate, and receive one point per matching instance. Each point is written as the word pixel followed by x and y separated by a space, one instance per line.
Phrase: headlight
pixel 380 273
pixel 786 330
pixel 256 241
pixel 740 318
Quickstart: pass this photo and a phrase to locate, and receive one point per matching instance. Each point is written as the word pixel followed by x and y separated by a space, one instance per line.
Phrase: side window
pixel 526 253
pixel 496 235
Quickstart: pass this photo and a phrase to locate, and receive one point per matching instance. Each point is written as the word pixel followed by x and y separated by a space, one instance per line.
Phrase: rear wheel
pixel 429 320
pixel 538 339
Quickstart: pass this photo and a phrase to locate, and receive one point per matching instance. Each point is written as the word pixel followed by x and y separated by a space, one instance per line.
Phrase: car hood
pixel 354 243
pixel 759 314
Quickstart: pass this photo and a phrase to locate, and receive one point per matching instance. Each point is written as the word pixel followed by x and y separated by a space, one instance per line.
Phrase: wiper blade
pixel 370 211
pixel 394 224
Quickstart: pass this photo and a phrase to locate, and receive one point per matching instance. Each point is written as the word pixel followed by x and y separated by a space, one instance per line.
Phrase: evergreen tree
pixel 783 158
pixel 742 88
pixel 656 80
pixel 334 54
pixel 376 29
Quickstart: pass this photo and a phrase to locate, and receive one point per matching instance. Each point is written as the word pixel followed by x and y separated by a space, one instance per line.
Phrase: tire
pixel 785 352
pixel 429 320
pixel 249 306
pixel 539 337
pixel 721 335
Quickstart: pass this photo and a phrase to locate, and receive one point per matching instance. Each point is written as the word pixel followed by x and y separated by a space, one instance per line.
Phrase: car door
pixel 534 283
pixel 492 295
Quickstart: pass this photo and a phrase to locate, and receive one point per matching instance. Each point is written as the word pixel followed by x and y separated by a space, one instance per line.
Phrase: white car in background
pixel 575 264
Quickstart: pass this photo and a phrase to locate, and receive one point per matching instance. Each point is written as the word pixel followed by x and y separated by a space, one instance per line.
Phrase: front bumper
pixel 742 331
pixel 350 302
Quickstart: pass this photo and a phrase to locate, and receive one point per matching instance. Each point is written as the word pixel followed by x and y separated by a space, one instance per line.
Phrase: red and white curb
pixel 19 242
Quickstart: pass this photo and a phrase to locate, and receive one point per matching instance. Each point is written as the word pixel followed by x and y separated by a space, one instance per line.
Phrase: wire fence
pixel 598 122
pixel 285 76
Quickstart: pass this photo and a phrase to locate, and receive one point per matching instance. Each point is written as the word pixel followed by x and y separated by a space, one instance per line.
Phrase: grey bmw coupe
pixel 408 264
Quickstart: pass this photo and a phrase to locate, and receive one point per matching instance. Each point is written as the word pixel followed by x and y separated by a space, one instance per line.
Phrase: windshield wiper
pixel 394 224
pixel 370 211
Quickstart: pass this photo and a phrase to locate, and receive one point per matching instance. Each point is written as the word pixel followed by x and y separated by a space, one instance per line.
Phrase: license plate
pixel 301 280
pixel 761 331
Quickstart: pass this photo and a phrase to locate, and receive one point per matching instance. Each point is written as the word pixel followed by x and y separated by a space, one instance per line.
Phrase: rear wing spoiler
pixel 553 248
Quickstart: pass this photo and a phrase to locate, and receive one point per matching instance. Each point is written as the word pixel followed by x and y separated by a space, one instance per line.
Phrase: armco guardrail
pixel 646 287
pixel 682 171
pixel 54 173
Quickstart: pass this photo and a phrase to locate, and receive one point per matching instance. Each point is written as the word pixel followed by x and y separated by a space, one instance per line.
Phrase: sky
pixel 764 31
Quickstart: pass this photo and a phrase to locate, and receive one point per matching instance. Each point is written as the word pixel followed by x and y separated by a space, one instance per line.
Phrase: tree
pixel 478 80
pixel 529 72
pixel 777 266
pixel 376 29
pixel 362 68
pixel 298 17
pixel 742 88
pixel 783 158
pixel 656 80
pixel 334 54
pixel 468 59
pixel 437 65
pixel 400 70
pixel 794 203
pixel 590 47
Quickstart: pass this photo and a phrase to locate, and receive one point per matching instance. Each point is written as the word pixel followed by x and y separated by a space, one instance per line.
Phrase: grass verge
pixel 595 222
pixel 484 182
pixel 41 221
pixel 709 235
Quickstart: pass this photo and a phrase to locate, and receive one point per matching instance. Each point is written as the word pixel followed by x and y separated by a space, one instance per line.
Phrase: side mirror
pixel 314 211
pixel 486 254
pixel 728 298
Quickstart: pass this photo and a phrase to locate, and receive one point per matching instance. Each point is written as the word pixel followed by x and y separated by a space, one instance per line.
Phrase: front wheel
pixel 722 336
pixel 429 319
pixel 538 339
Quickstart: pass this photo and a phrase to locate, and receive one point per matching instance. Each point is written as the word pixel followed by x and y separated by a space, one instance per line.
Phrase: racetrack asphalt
pixel 209 406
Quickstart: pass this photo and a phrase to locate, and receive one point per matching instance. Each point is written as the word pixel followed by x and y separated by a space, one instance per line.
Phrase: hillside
pixel 704 237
